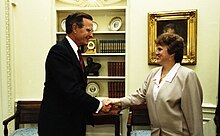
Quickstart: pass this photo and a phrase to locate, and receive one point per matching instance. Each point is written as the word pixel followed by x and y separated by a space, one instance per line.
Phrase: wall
pixel 33 36
pixel 207 47
pixel 207 43
pixel 6 89
pixel 2 8
pixel 25 38
pixel 34 33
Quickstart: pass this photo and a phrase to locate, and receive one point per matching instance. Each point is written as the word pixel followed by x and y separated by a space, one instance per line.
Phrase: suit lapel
pixel 73 56
pixel 71 53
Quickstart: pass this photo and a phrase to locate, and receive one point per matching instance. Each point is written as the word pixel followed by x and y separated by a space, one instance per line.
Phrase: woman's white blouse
pixel 167 78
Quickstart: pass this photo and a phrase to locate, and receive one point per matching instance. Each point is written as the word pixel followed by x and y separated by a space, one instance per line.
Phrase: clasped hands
pixel 109 103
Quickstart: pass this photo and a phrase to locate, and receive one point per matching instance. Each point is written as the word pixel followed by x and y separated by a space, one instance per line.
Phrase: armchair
pixel 138 116
pixel 26 113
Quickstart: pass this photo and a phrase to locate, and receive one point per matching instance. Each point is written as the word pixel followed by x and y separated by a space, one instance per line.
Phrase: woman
pixel 172 92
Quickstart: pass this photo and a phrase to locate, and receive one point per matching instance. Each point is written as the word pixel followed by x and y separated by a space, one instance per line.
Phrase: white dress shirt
pixel 75 49
pixel 73 45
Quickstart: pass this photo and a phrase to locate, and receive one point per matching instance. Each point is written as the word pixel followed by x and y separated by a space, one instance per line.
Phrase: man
pixel 66 107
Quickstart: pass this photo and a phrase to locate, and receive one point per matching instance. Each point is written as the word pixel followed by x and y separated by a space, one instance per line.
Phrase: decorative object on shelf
pixel 92 68
pixel 91 46
pixel 185 23
pixel 92 89
pixel 63 25
pixel 95 26
pixel 108 44
pixel 115 24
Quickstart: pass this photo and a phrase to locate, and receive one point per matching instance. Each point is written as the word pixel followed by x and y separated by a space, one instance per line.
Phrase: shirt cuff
pixel 100 106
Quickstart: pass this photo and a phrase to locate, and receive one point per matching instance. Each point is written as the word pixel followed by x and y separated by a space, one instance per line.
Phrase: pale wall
pixel 207 44
pixel 34 35
pixel 2 39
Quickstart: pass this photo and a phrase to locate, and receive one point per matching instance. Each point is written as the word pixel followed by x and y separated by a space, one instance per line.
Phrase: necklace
pixel 162 77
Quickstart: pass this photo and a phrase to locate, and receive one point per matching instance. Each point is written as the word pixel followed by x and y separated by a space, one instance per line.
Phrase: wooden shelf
pixel 104 54
pixel 109 32
pixel 106 77
pixel 98 32
pixel 105 38
pixel 92 9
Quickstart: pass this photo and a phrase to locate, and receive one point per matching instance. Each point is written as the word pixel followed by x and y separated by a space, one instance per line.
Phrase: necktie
pixel 80 59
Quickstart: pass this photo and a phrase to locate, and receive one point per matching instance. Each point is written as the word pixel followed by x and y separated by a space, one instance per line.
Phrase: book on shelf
pixel 112 46
pixel 116 89
pixel 116 68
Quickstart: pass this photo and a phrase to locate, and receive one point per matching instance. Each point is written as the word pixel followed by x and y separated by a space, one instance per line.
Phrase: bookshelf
pixel 109 85
pixel 110 46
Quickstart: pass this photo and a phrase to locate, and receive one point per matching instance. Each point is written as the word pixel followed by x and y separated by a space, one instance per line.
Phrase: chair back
pixel 28 112
pixel 138 116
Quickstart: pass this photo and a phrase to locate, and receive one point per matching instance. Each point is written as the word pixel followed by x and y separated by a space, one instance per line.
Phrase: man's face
pixel 82 35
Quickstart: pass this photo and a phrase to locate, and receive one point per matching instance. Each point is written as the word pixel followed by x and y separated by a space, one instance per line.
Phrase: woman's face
pixel 162 56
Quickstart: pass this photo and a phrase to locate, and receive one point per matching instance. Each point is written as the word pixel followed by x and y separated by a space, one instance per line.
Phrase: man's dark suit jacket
pixel 65 106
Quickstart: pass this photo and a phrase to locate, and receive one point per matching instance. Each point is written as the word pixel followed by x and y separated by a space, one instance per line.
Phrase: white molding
pixel 91 3
pixel 90 8
pixel 106 77
pixel 104 54
pixel 209 127
pixel 208 111
pixel 28 99
pixel 208 108
pixel 7 94
pixel 208 105
pixel 8 57
pixel 98 32
pixel 13 2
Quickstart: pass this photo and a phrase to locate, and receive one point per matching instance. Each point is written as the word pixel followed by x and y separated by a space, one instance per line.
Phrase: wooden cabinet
pixel 110 44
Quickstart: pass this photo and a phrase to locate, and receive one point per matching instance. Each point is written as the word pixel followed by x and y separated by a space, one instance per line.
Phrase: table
pixel 113 117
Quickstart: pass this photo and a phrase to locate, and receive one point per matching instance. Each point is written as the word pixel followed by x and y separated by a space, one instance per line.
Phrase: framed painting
pixel 183 23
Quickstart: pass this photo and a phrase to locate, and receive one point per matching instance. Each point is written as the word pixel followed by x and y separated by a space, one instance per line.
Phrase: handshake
pixel 109 103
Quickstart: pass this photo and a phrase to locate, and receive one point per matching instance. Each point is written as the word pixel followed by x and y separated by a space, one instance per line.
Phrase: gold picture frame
pixel 186 24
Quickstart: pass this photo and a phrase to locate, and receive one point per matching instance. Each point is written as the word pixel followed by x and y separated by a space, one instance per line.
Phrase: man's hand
pixel 114 101
pixel 108 103
pixel 106 107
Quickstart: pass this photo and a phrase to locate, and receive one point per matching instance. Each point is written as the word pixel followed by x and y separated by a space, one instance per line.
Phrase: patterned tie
pixel 80 59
